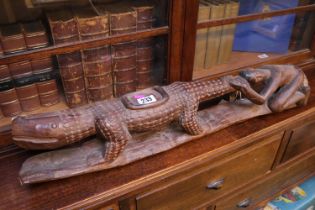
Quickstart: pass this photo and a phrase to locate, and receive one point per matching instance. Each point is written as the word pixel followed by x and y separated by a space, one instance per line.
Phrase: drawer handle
pixel 244 203
pixel 216 184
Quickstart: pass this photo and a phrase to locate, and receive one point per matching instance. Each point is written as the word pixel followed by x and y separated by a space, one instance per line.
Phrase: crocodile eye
pixel 53 125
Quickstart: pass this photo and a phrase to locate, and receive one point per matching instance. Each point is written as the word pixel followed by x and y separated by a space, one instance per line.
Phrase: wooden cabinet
pixel 301 140
pixel 269 184
pixel 214 180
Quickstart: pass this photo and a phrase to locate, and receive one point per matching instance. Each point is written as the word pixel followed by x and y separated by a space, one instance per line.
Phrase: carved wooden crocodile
pixel 114 119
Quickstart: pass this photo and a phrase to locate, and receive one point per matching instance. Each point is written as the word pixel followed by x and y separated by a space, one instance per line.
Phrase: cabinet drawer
pixel 302 139
pixel 282 178
pixel 218 178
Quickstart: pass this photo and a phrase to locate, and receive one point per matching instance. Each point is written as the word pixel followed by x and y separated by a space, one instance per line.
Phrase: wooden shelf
pixel 238 60
pixel 256 16
pixel 241 60
pixel 75 46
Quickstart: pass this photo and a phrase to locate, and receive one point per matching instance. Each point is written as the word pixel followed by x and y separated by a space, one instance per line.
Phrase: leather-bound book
pixel 43 73
pixel 12 39
pixel 123 20
pixel 4 72
pixel 96 61
pixel 28 97
pixel 21 69
pixel 42 63
pixel 227 38
pixel 1 50
pixel 214 34
pixel 24 83
pixel 35 35
pixel 201 38
pixel 71 72
pixel 63 25
pixel 9 103
pixel 144 46
pixel 46 87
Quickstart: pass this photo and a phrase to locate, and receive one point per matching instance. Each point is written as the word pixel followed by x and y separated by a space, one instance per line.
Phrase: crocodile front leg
pixel 189 118
pixel 116 135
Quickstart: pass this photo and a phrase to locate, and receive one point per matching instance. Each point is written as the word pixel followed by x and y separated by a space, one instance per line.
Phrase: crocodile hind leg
pixel 279 100
pixel 116 135
pixel 189 118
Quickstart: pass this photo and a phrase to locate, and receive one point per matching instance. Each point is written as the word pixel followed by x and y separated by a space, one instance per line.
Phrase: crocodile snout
pixel 33 130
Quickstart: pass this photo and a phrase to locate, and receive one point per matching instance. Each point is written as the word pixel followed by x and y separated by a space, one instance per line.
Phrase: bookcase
pixel 77 52
pixel 251 157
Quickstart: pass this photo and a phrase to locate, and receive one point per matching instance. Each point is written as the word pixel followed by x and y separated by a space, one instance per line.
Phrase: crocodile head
pixel 39 131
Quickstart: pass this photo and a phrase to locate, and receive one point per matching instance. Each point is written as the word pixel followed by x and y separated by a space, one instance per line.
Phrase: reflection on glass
pixel 86 75
pixel 227 47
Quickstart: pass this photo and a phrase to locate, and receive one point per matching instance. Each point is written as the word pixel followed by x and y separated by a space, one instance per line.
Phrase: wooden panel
pixel 191 17
pixel 175 46
pixel 302 139
pixel 256 16
pixel 281 178
pixel 235 170
pixel 75 46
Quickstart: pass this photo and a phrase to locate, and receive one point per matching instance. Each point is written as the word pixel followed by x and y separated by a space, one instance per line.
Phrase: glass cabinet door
pixel 57 54
pixel 234 34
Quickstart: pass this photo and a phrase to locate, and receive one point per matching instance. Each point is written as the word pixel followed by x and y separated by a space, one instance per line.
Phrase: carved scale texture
pixel 113 121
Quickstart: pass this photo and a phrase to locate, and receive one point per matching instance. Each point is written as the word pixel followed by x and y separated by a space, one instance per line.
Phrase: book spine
pixel 70 64
pixel 124 54
pixel 43 73
pixel 96 61
pixel 313 46
pixel 35 38
pixel 144 47
pixel 214 36
pixel 28 97
pixel 1 49
pixel 227 38
pixel 12 39
pixel 9 103
pixel 201 38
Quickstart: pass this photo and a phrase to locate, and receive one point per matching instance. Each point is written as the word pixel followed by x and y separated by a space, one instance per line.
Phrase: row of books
pixel 100 73
pixel 26 85
pixel 214 45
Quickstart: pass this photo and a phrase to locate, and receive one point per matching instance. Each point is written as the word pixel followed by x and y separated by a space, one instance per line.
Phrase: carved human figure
pixel 284 86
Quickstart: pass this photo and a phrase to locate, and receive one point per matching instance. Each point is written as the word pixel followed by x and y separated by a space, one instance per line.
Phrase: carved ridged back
pixel 205 90
pixel 77 123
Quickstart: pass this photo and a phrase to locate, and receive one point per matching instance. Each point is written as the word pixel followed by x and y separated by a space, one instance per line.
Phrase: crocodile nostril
pixel 53 125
